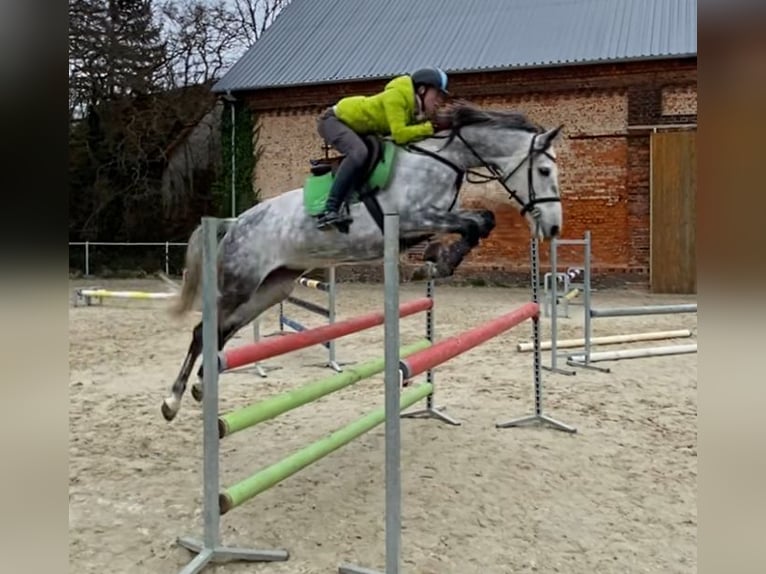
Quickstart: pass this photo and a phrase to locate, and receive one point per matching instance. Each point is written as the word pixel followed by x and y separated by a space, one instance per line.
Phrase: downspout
pixel 231 99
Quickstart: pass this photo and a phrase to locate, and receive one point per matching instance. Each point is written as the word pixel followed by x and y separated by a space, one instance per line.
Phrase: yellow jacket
pixel 390 112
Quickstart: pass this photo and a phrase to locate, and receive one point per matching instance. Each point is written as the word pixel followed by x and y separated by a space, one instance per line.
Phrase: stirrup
pixel 344 214
pixel 333 218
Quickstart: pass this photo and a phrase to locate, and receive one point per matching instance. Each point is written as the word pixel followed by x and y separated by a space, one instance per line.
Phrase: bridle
pixel 503 180
pixel 496 174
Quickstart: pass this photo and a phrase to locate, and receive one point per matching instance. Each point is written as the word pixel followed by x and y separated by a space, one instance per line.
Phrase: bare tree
pixel 206 37
pixel 203 40
pixel 254 16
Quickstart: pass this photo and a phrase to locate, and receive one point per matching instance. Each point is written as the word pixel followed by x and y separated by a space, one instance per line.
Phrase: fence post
pixel 167 259
pixel 87 259
pixel 331 308
pixel 393 381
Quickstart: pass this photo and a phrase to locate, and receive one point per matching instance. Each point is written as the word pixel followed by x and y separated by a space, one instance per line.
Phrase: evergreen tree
pixel 115 49
pixel 135 50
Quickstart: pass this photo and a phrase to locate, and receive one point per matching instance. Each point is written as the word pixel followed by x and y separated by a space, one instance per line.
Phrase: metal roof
pixel 325 41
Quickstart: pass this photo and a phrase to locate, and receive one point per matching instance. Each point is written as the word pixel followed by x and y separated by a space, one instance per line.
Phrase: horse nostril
pixel 555 231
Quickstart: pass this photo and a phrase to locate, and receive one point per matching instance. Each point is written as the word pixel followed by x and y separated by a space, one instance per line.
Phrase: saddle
pixel 375 175
pixel 374 145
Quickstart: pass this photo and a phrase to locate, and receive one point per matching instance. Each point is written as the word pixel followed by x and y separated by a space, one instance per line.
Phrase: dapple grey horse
pixel 270 245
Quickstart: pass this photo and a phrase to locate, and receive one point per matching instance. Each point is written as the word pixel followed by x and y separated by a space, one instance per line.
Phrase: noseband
pixel 503 180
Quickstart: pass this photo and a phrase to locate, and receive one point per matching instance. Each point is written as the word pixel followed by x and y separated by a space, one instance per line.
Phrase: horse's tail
pixel 190 286
pixel 192 281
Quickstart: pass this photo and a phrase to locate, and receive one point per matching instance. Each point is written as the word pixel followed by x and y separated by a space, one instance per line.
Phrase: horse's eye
pixel 544 171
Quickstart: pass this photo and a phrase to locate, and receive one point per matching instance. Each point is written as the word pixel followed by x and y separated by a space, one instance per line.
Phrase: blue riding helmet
pixel 433 76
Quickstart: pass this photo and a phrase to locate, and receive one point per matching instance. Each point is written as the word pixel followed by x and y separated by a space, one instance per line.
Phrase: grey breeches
pixel 342 138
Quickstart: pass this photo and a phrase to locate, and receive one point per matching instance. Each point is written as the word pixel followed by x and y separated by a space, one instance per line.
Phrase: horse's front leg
pixel 470 225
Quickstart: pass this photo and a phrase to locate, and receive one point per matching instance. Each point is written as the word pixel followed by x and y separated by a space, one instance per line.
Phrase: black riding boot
pixel 344 179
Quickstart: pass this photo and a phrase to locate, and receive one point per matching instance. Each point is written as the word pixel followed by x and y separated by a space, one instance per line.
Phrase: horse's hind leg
pixel 223 337
pixel 172 403
pixel 235 310
pixel 241 311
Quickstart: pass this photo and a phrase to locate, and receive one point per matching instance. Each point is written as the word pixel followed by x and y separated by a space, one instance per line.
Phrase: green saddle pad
pixel 316 188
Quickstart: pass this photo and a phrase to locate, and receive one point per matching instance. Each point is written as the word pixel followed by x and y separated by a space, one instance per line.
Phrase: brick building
pixel 619 74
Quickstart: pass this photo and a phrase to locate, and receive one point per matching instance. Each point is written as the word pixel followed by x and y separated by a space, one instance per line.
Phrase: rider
pixel 402 110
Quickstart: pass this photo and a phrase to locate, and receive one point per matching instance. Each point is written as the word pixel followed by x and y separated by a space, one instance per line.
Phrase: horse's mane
pixel 461 113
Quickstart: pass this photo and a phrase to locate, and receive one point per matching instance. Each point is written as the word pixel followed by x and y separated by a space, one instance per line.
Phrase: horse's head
pixel 520 156
pixel 534 184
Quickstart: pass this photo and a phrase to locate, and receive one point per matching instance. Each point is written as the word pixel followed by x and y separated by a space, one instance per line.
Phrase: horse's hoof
pixel 444 270
pixel 489 224
pixel 433 252
pixel 423 273
pixel 196 392
pixel 168 412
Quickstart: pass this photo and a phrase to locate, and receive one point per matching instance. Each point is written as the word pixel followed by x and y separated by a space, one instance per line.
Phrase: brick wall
pixel 638 203
pixel 679 101
pixel 288 141
pixel 603 151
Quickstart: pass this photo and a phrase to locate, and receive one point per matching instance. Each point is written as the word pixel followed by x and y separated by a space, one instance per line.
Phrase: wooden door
pixel 673 267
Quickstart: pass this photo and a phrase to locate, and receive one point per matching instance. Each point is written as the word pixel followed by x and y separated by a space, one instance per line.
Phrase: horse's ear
pixel 545 139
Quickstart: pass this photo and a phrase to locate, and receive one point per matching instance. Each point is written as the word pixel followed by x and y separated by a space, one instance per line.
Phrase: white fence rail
pixel 86 245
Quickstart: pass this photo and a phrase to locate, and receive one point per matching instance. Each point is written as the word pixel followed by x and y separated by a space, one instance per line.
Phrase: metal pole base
pixel 588 366
pixel 223 554
pixel 432 412
pixel 537 419
pixel 338 366
pixel 351 569
pixel 558 370
pixel 259 370
pixel 334 366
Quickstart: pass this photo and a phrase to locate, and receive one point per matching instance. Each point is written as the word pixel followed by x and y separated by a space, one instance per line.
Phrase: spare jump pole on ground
pixel 87 296
pixel 581 348
pixel 584 358
pixel 608 340
pixel 274 406
pixel 266 349
pixel 637 353
pixel 125 294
